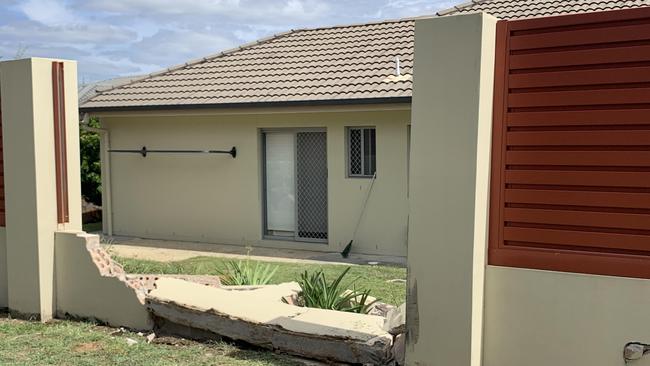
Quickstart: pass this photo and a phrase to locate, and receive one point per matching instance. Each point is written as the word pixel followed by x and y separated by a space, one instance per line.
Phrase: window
pixel 362 157
pixel 295 184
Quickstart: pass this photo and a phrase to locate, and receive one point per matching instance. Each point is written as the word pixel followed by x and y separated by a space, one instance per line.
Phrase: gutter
pixel 295 103
pixel 105 161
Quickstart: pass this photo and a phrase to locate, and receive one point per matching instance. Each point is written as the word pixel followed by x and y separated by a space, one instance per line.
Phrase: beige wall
pixel 28 138
pixel 219 199
pixel 81 291
pixel 541 318
pixel 461 311
pixel 4 301
pixel 450 158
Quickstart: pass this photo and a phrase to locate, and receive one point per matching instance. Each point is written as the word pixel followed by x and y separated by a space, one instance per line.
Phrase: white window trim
pixel 348 168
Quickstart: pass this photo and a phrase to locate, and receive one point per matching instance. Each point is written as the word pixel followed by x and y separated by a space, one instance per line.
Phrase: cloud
pixel 269 11
pixel 169 46
pixel 113 38
pixel 50 12
pixel 11 50
pixel 408 8
pixel 66 33
pixel 93 68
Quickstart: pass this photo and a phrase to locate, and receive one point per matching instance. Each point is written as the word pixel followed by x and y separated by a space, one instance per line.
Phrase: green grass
pixel 79 343
pixel 368 277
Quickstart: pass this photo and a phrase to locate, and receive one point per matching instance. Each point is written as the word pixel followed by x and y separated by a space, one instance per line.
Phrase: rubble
pixel 117 331
pixel 396 280
pixel 381 309
pixel 395 322
pixel 399 349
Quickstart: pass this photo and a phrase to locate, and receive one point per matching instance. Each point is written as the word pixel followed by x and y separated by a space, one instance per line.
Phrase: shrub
pixel 241 273
pixel 318 293
pixel 91 167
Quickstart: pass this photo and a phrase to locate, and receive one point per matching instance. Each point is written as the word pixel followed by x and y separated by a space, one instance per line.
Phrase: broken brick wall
pixel 89 284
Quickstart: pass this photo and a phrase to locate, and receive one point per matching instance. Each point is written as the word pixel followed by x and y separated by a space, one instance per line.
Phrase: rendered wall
pixel 450 160
pixel 540 318
pixel 82 291
pixel 28 143
pixel 219 199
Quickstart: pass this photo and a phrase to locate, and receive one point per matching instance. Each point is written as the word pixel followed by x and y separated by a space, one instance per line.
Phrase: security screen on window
pixel 362 157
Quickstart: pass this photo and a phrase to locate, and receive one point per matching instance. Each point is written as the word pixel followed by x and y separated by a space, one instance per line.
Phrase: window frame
pixel 266 234
pixel 348 153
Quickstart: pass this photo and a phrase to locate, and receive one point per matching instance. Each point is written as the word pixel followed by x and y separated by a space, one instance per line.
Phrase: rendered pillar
pixel 450 162
pixel 30 185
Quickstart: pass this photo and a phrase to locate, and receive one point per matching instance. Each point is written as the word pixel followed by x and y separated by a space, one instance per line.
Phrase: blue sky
pixel 113 38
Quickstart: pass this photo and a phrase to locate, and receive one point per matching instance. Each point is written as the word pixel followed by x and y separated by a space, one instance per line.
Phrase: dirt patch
pixel 88 347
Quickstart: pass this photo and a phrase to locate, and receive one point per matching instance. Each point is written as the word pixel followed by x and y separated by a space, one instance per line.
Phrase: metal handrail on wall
pixel 144 151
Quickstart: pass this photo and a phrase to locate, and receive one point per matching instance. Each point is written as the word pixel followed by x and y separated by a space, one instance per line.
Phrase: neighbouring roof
pixel 342 64
pixel 87 91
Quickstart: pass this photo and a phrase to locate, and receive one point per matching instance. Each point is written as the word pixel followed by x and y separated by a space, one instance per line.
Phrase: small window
pixel 362 157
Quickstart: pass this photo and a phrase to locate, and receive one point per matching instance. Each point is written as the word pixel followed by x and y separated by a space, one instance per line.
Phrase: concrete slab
pixel 259 317
pixel 168 250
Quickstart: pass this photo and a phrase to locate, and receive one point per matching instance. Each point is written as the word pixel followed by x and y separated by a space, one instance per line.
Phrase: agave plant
pixel 317 292
pixel 241 273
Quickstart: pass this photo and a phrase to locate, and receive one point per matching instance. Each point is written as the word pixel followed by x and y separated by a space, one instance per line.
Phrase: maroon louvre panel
pixel 3 216
pixel 60 151
pixel 570 183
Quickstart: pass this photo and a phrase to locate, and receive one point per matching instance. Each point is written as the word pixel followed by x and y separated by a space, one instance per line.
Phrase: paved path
pixel 168 250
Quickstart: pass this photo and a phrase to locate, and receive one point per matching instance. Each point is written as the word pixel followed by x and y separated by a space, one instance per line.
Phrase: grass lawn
pixel 79 343
pixel 367 277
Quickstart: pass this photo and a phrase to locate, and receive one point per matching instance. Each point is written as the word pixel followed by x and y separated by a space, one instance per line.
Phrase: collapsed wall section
pixel 89 284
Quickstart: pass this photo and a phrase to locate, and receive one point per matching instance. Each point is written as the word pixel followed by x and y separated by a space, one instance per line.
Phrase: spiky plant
pixel 247 272
pixel 317 292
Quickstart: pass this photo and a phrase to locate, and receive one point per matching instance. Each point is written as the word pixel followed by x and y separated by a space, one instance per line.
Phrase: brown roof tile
pixel 341 63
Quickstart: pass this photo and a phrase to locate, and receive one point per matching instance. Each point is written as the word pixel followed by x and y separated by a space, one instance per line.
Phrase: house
pixel 320 122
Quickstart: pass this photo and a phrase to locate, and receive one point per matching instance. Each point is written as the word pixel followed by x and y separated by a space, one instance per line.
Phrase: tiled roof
pixel 87 91
pixel 350 62
pixel 520 9
pixel 354 64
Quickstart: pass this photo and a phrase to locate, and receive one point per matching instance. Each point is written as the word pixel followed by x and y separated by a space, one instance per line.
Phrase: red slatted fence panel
pixel 3 217
pixel 60 150
pixel 570 186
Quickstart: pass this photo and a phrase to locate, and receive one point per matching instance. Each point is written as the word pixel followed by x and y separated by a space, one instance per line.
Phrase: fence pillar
pixel 450 160
pixel 30 173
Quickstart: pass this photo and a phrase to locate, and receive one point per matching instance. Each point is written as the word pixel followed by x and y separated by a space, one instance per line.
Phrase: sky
pixel 111 38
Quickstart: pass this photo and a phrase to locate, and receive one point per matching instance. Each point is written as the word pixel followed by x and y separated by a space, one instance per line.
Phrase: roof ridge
pixel 196 61
pixel 459 7
pixel 358 24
